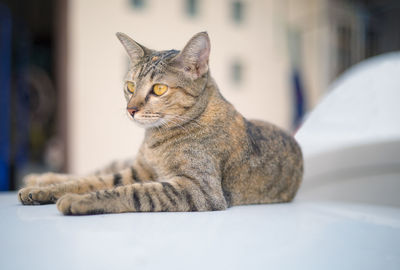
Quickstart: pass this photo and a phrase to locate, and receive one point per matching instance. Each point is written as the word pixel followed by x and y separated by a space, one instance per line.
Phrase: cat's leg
pixel 45 179
pixel 178 194
pixel 50 193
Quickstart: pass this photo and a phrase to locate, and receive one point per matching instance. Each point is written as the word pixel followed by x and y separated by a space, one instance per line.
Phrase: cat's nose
pixel 132 110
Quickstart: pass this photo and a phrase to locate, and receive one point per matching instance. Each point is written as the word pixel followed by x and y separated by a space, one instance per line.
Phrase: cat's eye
pixel 160 89
pixel 131 87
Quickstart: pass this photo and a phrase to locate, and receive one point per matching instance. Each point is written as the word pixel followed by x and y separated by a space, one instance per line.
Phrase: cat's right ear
pixel 193 59
pixel 135 50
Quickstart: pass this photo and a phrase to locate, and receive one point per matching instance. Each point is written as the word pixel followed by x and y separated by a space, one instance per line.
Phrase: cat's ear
pixel 135 50
pixel 193 59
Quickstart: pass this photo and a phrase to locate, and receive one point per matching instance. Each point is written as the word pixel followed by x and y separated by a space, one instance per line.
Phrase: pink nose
pixel 132 110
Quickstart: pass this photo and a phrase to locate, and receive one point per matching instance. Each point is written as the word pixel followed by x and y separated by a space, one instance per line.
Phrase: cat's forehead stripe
pixel 155 59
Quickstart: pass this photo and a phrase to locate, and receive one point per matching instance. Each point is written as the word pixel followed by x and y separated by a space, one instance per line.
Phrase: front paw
pixel 75 204
pixel 35 196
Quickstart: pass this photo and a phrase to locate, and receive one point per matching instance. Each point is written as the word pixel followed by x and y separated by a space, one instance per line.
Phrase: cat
pixel 199 153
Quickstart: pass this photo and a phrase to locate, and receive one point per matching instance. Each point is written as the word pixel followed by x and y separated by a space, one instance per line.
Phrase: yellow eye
pixel 130 87
pixel 160 89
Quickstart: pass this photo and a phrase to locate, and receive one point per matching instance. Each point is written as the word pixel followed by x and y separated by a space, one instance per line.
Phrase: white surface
pixel 299 235
pixel 368 173
pixel 351 141
pixel 361 108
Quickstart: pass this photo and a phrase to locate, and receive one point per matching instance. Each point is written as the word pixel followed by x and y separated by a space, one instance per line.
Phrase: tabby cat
pixel 199 153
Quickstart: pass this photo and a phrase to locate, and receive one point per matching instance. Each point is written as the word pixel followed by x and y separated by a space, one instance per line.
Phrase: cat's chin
pixel 148 124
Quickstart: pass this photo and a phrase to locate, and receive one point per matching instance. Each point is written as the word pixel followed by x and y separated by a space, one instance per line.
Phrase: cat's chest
pixel 171 159
pixel 158 160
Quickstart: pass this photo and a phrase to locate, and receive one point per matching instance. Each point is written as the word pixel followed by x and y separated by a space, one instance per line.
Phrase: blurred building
pixel 273 59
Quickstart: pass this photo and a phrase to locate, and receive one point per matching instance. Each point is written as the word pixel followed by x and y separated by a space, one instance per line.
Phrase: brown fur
pixel 199 153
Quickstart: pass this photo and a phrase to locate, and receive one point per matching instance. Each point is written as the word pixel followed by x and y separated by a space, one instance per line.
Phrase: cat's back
pixel 271 140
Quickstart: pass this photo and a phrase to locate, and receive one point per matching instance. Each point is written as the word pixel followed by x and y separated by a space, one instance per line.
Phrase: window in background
pixel 192 7
pixel 237 11
pixel 138 4
pixel 237 72
pixel 344 39
pixel 371 43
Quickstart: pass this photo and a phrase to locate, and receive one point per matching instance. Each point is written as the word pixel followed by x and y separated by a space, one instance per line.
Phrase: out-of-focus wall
pixel 99 129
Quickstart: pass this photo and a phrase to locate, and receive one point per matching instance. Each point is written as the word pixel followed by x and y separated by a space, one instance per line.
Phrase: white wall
pixel 99 130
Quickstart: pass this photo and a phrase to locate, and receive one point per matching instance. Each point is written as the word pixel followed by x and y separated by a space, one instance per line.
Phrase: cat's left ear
pixel 193 59
pixel 135 50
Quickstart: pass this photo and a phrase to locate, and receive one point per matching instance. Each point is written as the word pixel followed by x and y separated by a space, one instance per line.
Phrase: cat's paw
pixel 36 195
pixel 64 204
pixel 75 204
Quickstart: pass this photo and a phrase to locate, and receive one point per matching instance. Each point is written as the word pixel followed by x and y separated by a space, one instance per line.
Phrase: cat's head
pixel 165 88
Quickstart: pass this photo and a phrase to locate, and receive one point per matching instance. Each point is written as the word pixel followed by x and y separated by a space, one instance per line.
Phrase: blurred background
pixel 62 68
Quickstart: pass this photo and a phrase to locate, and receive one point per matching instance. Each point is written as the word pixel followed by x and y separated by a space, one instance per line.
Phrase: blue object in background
pixel 5 66
pixel 299 101
pixel 19 155
pixel 297 90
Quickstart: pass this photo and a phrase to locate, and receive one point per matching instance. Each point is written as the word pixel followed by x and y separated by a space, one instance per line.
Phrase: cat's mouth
pixel 151 120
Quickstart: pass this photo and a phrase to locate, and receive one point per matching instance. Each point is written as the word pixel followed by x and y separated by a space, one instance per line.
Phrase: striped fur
pixel 199 153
